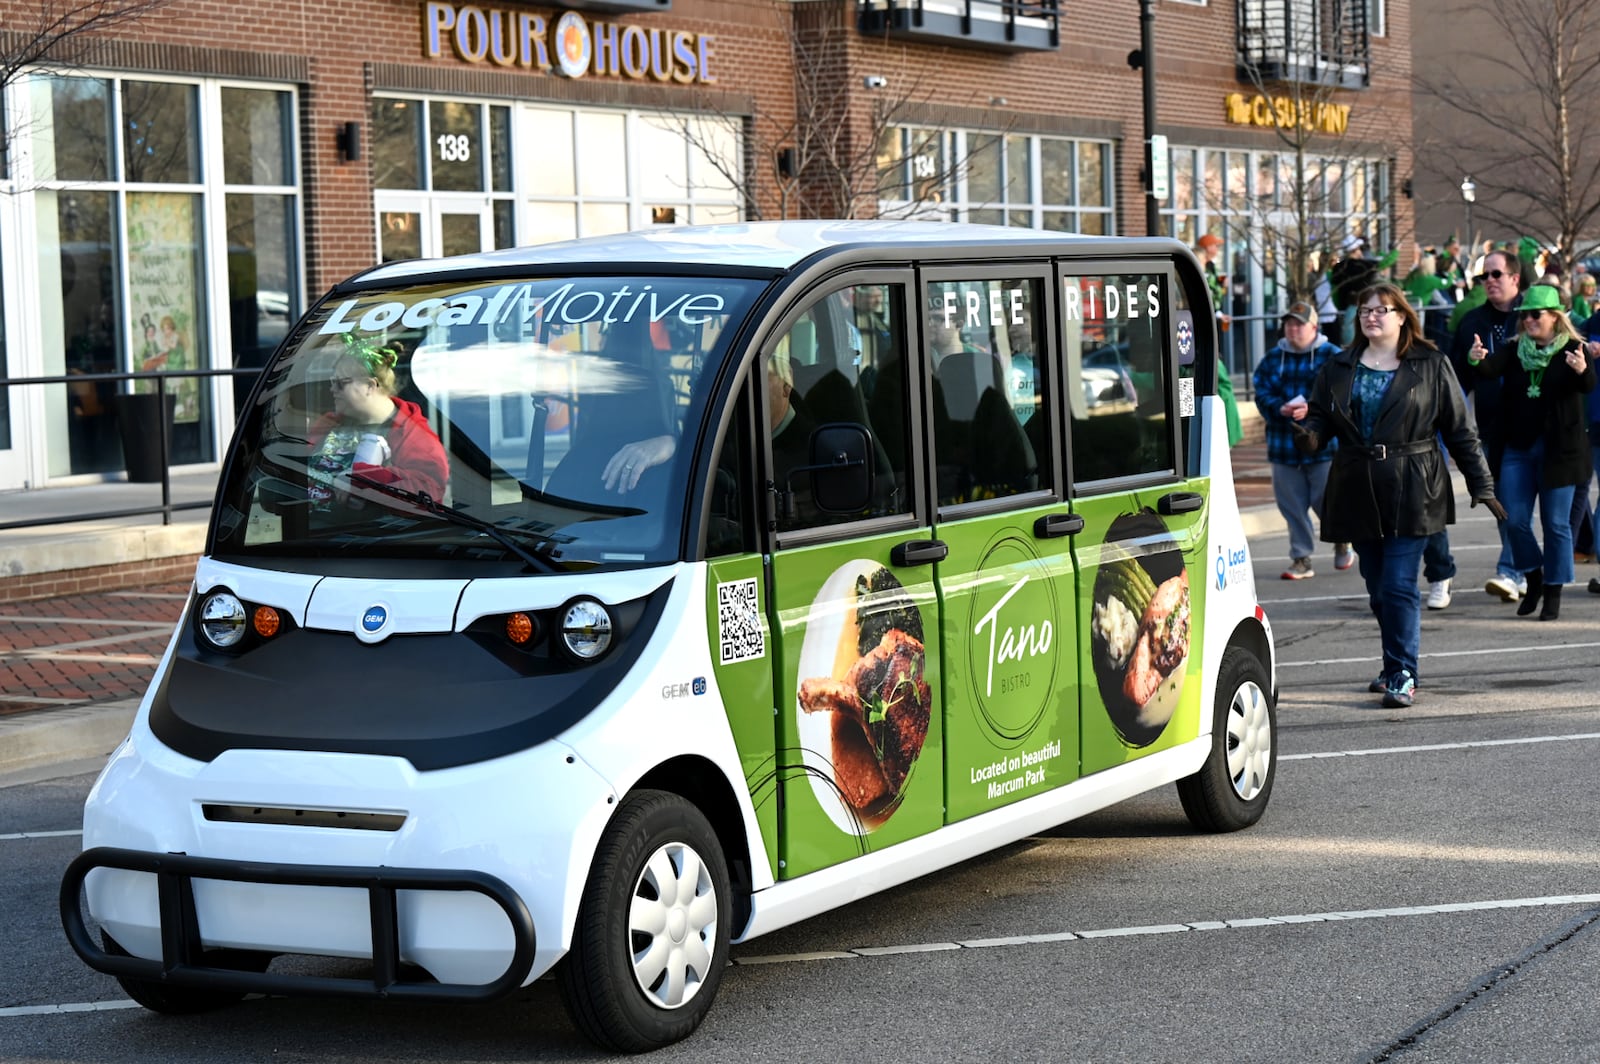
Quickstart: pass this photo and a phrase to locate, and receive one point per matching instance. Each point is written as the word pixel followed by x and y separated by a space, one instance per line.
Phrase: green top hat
pixel 1541 297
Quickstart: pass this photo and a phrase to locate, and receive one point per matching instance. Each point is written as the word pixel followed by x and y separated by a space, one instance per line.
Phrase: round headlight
pixel 586 629
pixel 222 619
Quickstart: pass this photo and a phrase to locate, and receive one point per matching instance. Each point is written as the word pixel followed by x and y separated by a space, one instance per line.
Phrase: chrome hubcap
pixel 1249 741
pixel 672 925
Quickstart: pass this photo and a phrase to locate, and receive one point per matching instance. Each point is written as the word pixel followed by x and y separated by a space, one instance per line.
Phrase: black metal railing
pixel 1008 25
pixel 157 429
pixel 1318 42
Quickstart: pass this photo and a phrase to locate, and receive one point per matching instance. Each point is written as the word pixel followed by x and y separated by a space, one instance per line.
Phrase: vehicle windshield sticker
pixel 518 302
pixel 1186 397
pixel 739 632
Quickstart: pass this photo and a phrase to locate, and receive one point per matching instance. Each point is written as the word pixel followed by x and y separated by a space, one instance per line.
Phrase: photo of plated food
pixel 1139 629
pixel 863 702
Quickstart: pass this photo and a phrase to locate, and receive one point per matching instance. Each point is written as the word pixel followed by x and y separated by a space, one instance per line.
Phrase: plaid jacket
pixel 1282 375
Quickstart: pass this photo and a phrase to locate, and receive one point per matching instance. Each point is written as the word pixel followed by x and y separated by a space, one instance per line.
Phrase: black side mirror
pixel 841 467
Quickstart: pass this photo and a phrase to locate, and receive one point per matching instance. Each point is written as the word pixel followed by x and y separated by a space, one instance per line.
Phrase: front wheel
pixel 1232 788
pixel 651 940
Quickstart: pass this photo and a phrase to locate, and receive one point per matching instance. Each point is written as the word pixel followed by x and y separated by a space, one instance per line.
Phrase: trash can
pixel 140 424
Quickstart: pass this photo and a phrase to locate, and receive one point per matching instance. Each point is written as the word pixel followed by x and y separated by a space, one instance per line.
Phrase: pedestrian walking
pixel 1282 381
pixel 1495 323
pixel 1388 399
pixel 1546 374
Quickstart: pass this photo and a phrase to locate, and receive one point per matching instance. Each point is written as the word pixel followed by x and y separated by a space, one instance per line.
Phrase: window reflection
pixel 159 139
pixel 261 280
pixel 255 137
pixel 455 134
pixel 1115 345
pixel 396 144
pixel 77 144
pixel 78 259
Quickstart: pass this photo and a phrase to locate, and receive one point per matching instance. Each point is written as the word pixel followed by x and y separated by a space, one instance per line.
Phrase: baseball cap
pixel 1210 240
pixel 1351 242
pixel 1301 311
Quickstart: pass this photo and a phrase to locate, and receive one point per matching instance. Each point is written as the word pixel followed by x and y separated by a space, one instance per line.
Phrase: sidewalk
pixel 76 657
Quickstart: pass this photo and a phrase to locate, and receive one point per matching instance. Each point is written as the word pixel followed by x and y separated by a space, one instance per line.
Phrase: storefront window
pixel 396 143
pixel 991 178
pixel 256 137
pixel 126 190
pixel 79 266
pixel 591 172
pixel 446 154
pixel 76 146
pixel 159 141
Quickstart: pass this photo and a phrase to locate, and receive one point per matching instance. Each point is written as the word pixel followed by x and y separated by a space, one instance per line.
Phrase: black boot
pixel 1552 603
pixel 1530 601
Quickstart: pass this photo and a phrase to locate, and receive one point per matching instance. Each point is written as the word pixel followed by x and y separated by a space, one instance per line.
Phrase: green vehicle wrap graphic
pixel 860 741
pixel 741 658
pixel 1010 691
pixel 1141 593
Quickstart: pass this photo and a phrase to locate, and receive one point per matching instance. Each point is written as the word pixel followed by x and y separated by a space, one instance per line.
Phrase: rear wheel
pixel 177 1000
pixel 1232 788
pixel 651 940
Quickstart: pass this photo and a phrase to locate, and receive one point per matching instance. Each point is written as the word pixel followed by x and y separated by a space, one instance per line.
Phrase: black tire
pixel 186 1000
pixel 601 981
pixel 1232 788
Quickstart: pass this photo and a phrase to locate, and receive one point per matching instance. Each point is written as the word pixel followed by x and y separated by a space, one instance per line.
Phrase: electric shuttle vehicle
pixel 594 607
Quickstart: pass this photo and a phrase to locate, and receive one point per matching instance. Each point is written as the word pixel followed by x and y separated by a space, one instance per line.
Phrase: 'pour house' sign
pixel 569 46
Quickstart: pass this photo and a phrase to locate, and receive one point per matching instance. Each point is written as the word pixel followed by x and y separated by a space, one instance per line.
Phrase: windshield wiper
pixel 543 562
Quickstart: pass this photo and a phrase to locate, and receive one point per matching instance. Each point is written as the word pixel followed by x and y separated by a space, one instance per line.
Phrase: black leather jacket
pixel 1396 482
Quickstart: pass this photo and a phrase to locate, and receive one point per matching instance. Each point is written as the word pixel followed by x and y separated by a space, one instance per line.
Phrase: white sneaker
pixel 1503 587
pixel 1438 594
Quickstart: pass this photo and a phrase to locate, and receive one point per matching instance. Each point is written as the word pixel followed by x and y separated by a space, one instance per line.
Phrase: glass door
pixel 430 227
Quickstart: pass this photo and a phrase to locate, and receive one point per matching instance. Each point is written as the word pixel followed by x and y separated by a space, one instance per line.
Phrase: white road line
pixel 40 835
pixel 80 1006
pixel 1313 598
pixel 1464 745
pixel 1399 912
pixel 1542 649
pixel 45 701
pixel 178 595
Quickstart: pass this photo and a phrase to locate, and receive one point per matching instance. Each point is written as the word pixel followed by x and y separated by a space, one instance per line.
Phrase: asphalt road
pixel 1425 887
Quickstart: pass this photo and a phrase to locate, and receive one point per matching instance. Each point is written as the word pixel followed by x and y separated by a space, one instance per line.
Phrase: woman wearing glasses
pixel 1545 376
pixel 1388 398
pixel 371 434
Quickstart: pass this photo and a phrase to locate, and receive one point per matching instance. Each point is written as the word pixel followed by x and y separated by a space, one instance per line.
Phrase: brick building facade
pixel 180 194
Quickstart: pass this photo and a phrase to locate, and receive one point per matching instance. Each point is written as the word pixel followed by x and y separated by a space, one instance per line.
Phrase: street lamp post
pixel 1469 193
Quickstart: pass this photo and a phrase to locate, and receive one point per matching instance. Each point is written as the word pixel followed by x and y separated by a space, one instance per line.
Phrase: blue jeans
pixel 1583 537
pixel 1389 566
pixel 1437 561
pixel 1521 484
pixel 1298 489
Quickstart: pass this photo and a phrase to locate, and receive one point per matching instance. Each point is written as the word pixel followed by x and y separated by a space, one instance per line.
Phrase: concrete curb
pixel 56 736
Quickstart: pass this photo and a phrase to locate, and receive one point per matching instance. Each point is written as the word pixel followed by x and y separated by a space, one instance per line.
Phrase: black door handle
pixel 1052 525
pixel 1179 502
pixel 918 552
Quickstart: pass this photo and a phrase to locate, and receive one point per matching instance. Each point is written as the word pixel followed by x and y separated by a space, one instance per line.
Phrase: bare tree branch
pixel 1525 110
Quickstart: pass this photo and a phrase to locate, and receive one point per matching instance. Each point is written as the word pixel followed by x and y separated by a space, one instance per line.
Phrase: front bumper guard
pixel 182 960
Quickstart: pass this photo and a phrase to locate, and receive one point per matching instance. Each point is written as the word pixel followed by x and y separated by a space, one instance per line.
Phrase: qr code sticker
pixel 1186 397
pixel 739 630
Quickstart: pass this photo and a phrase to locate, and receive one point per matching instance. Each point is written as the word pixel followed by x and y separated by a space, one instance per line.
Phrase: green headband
pixel 370 354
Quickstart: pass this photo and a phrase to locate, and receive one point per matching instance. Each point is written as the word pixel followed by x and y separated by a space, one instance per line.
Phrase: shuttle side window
pixel 842 361
pixel 983 339
pixel 1115 340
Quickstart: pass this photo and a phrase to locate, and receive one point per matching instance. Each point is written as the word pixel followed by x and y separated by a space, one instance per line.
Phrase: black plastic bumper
pixel 183 957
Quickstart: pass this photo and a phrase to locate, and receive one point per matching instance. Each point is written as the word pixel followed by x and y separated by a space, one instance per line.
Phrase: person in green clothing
pixel 1476 297
pixel 1583 298
pixel 1207 248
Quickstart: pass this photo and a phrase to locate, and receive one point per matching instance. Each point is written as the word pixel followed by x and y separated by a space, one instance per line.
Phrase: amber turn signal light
pixel 519 628
pixel 266 621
